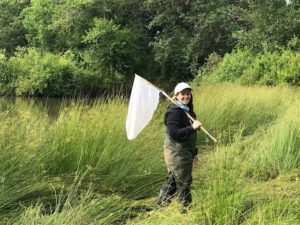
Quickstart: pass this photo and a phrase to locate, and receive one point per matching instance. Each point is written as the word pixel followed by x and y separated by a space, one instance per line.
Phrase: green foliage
pixel 21 135
pixel 165 18
pixel 262 70
pixel 186 32
pixel 278 152
pixel 267 25
pixel 289 70
pixel 110 51
pixel 224 188
pixel 230 68
pixel 57 25
pixel 165 41
pixel 294 44
pixel 12 32
pixel 247 67
pixel 44 73
pixel 170 37
pixel 7 78
pixel 85 209
pixel 37 18
pixel 81 150
pixel 80 168
pixel 212 26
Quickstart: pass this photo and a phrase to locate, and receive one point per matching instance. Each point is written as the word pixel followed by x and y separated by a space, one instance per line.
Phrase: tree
pixel 268 25
pixel 186 32
pixel 213 25
pixel 59 25
pixel 12 32
pixel 110 51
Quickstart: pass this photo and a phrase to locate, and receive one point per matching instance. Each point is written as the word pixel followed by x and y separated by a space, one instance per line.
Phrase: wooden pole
pixel 174 102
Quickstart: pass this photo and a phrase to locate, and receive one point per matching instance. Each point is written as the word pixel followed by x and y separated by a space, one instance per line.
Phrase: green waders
pixel 179 161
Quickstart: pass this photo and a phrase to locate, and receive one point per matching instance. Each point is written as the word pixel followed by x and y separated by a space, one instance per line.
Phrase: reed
pixel 80 168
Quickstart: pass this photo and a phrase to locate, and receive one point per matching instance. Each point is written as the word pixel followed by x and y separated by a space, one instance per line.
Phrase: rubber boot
pixel 167 191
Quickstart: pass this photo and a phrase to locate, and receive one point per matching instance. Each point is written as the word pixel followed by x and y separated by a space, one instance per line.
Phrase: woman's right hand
pixel 196 124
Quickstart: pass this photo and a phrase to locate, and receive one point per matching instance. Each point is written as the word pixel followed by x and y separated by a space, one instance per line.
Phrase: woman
pixel 179 147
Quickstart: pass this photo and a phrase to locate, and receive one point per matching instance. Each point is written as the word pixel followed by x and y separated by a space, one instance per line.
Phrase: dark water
pixel 50 106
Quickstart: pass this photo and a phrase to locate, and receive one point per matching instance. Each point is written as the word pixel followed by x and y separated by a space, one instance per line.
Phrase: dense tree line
pixel 62 47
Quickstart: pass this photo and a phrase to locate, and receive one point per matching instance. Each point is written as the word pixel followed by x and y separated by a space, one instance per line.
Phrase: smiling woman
pixel 182 93
pixel 179 147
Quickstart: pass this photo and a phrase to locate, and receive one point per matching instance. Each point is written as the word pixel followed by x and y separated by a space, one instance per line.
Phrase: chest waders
pixel 179 161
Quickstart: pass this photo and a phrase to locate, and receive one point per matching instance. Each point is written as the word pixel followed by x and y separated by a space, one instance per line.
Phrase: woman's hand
pixel 196 124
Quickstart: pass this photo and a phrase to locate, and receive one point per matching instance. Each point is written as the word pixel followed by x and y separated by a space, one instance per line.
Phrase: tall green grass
pixel 41 157
pixel 81 169
pixel 276 150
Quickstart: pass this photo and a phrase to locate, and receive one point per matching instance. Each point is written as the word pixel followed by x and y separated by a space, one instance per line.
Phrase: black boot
pixel 167 191
pixel 184 192
pixel 185 197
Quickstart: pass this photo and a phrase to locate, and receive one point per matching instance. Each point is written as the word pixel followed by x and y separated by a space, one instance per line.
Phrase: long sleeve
pixel 178 125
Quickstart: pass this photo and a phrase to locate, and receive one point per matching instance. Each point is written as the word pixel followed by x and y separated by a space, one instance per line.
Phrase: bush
pixel 44 73
pixel 263 70
pixel 7 78
pixel 232 66
pixel 290 70
pixel 110 53
pixel 246 67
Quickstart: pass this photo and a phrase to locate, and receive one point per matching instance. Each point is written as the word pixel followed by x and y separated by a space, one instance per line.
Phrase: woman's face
pixel 184 96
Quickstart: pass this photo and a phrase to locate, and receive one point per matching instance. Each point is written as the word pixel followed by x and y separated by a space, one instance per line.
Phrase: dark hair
pixel 191 106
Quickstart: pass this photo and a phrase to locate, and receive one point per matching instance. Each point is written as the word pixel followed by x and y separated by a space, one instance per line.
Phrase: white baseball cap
pixel 180 87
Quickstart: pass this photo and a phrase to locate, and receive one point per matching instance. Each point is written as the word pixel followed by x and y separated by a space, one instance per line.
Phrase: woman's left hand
pixel 195 160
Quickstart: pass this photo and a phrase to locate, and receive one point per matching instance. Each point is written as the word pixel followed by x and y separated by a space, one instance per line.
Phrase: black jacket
pixel 178 124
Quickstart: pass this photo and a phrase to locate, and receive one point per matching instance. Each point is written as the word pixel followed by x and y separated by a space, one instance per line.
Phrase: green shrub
pixel 290 70
pixel 232 66
pixel 110 52
pixel 44 73
pixel 246 67
pixel 6 76
pixel 262 70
